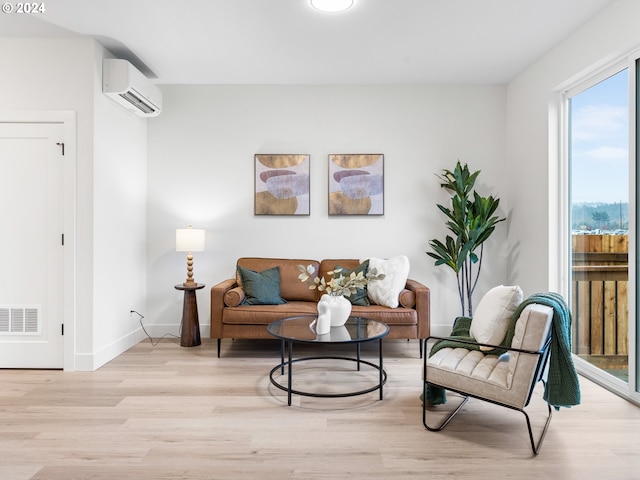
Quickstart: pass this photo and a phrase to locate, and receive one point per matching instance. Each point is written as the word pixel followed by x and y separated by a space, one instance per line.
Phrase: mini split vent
pixel 134 99
pixel 127 86
pixel 19 320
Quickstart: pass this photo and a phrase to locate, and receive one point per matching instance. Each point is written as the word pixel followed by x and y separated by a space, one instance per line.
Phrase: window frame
pixel 560 209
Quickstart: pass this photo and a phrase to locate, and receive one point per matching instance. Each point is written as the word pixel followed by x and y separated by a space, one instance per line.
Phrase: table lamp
pixel 189 240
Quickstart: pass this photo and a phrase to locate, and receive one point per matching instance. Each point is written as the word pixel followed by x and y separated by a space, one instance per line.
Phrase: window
pixel 601 201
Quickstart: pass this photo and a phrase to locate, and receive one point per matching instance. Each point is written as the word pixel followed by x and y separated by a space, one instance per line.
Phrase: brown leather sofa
pixel 231 319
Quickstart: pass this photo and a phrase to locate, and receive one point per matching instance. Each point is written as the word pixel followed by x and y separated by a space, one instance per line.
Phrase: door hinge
pixel 61 144
pixel 62 329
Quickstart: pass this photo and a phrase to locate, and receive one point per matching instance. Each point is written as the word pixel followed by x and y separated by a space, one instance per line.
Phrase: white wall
pixel 64 75
pixel 201 169
pixel 533 171
pixel 120 223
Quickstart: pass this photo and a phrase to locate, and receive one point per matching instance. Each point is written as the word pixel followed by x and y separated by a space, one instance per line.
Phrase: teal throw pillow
pixel 261 288
pixel 360 297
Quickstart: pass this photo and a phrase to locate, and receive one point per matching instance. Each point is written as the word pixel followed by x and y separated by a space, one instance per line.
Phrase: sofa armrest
pixel 217 305
pixel 423 306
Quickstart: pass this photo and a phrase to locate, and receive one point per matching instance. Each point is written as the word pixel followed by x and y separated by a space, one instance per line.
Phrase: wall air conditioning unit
pixel 130 88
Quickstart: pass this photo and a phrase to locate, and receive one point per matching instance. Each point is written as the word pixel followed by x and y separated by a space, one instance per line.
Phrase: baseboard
pixel 88 362
pixel 155 330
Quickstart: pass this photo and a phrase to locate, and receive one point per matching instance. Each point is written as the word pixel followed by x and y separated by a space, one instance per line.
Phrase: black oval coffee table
pixel 301 329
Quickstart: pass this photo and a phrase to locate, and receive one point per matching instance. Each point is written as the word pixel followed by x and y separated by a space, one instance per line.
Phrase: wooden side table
pixel 190 324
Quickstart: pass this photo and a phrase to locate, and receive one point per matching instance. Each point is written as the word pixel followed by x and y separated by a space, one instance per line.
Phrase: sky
pixel 599 142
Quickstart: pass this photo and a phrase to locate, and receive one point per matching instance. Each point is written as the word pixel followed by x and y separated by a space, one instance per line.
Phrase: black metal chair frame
pixel 543 359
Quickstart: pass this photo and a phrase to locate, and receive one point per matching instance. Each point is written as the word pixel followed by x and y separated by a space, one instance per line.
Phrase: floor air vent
pixel 19 320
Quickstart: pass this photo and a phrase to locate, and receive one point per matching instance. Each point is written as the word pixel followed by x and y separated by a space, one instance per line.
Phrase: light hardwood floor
pixel 167 412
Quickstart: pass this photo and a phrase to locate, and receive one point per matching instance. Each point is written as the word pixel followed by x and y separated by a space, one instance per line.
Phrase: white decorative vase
pixel 340 334
pixel 323 323
pixel 339 307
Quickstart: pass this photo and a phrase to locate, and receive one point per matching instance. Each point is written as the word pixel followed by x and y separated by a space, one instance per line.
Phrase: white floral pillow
pixel 386 291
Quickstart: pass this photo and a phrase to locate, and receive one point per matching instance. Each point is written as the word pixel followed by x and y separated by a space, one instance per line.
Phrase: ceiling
pixel 288 42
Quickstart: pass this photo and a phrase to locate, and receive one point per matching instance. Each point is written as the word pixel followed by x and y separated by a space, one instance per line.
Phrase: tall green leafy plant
pixel 471 219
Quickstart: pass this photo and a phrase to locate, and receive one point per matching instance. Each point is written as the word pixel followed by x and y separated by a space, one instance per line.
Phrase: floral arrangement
pixel 339 284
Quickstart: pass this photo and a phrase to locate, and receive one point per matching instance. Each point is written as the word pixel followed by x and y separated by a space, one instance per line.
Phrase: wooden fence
pixel 600 302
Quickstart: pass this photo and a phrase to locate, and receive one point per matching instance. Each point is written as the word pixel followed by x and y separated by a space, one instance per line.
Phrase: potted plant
pixel 471 221
pixel 333 307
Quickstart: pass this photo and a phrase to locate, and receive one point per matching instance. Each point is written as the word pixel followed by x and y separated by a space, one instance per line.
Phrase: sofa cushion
pixel 261 288
pixel 291 288
pixel 265 314
pixel 390 316
pixel 386 291
pixel 360 297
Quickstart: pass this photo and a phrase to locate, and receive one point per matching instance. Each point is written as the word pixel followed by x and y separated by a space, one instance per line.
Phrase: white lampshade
pixel 189 239
pixel 331 5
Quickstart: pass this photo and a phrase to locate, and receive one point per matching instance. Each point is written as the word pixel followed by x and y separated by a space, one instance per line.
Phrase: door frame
pixel 68 120
pixel 559 266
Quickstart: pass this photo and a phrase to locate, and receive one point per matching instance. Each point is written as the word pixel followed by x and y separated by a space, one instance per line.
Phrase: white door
pixel 31 250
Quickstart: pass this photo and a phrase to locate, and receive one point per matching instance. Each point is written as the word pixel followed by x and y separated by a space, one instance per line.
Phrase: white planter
pixel 323 322
pixel 340 334
pixel 338 306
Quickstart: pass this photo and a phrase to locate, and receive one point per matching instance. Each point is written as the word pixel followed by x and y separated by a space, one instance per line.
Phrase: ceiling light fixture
pixel 331 6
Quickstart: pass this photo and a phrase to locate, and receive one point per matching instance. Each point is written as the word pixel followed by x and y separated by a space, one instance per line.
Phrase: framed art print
pixel 356 184
pixel 281 184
